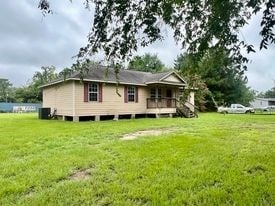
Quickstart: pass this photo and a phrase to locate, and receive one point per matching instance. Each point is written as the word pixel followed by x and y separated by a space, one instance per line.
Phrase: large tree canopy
pixel 121 26
pixel 146 63
pixel 226 85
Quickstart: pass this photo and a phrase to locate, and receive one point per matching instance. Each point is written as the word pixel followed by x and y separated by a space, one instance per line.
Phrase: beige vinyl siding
pixel 112 103
pixel 172 78
pixel 59 96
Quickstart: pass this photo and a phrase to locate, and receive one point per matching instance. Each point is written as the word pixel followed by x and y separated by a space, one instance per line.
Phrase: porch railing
pixel 161 103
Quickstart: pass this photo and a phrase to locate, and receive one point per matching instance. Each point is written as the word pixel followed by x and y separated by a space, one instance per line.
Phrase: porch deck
pixel 153 103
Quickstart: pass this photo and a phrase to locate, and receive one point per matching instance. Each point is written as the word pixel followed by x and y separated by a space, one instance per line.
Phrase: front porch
pixel 161 106
pixel 170 106
pixel 153 103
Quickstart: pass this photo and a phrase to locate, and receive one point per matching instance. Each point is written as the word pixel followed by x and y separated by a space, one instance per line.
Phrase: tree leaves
pixel 268 23
pixel 44 6
pixel 5 88
pixel 121 26
pixel 270 93
pixel 226 83
pixel 146 63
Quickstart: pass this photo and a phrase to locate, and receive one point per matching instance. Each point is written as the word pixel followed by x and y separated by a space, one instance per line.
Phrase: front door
pixel 169 96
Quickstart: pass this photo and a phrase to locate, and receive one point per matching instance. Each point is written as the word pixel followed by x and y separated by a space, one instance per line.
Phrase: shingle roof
pixel 265 99
pixel 105 74
pixel 124 76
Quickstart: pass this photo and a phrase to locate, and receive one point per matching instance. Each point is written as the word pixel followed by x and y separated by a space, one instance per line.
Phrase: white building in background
pixel 259 103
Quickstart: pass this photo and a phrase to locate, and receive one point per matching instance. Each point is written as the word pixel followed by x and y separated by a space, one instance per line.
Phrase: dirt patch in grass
pixel 30 192
pixel 256 169
pixel 153 132
pixel 80 175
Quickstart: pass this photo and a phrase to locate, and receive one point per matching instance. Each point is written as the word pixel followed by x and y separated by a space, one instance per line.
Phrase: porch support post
pixel 133 116
pixel 171 115
pixel 97 118
pixel 192 98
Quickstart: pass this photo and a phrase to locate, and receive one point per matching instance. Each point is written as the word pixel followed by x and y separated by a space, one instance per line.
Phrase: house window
pixel 155 93
pixel 131 94
pixel 93 92
pixel 159 93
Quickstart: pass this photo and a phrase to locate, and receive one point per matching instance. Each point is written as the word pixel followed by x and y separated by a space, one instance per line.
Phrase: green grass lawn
pixel 213 160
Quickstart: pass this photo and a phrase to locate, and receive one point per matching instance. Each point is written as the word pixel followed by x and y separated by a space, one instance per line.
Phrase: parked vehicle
pixel 236 109
pixel 268 108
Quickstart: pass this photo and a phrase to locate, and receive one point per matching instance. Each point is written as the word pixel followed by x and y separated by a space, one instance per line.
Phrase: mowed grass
pixel 213 160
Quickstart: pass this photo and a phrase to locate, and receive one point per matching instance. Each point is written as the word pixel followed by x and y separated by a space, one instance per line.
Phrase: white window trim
pixel 157 92
pixel 134 93
pixel 154 93
pixel 89 93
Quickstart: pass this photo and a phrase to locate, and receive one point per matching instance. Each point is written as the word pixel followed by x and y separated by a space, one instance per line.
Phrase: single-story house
pixel 101 92
pixel 260 103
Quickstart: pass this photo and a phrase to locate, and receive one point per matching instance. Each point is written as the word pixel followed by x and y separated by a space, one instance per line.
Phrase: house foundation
pixel 115 117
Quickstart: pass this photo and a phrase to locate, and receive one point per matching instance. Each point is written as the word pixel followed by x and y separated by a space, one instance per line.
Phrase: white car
pixel 268 108
pixel 236 109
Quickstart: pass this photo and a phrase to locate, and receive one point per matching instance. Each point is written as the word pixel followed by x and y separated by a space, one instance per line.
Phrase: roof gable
pixel 172 78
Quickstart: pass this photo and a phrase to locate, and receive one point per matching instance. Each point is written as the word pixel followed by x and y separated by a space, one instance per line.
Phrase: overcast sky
pixel 29 41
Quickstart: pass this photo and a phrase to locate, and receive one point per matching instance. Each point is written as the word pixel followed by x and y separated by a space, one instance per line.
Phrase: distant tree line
pixel 215 78
pixel 30 93
pixel 268 94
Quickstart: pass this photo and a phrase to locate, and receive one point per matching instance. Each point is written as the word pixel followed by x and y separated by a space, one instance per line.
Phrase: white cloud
pixel 261 69
pixel 167 50
pixel 29 41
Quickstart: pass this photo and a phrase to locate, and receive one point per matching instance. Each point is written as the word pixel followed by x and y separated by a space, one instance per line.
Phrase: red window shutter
pixel 86 85
pixel 125 94
pixel 100 92
pixel 136 94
